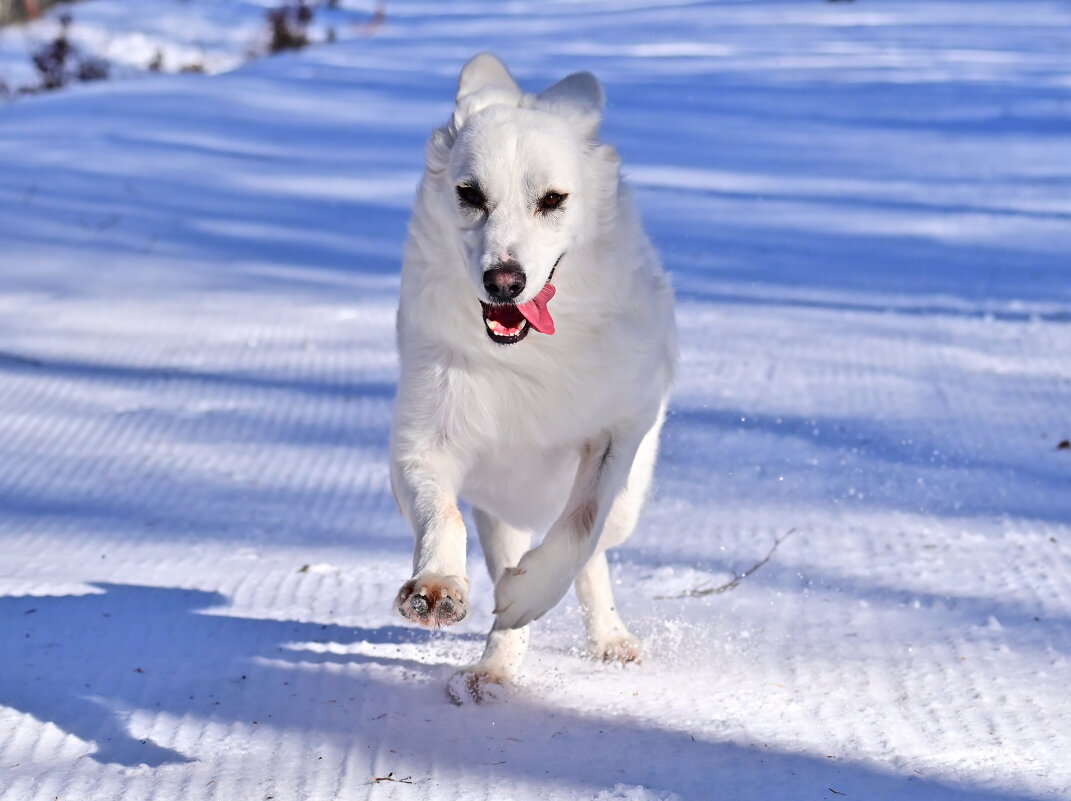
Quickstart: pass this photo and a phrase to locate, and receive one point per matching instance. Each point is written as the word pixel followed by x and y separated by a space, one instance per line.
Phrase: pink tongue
pixel 535 311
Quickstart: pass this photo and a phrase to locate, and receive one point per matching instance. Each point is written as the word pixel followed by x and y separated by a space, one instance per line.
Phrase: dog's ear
pixel 484 81
pixel 581 89
pixel 577 97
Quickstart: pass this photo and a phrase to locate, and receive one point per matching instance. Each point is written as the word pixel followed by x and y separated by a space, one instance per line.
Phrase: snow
pixel 209 36
pixel 865 208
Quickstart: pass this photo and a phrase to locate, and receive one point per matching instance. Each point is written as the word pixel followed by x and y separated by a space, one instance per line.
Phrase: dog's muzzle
pixel 506 322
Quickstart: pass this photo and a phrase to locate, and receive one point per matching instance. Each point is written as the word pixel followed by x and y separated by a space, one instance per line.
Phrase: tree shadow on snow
pixel 324 414
pixel 913 466
pixel 91 663
pixel 85 662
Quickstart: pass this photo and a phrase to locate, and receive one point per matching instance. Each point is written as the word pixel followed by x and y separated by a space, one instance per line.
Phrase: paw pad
pixel 419 605
pixel 433 601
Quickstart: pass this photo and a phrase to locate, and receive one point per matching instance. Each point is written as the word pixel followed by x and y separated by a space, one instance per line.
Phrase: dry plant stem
pixel 699 593
pixel 390 778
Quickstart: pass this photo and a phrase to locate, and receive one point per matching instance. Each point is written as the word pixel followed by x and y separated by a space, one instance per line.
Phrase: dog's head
pixel 524 180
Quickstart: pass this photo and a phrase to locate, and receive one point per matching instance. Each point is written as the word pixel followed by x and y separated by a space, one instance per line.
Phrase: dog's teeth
pixel 497 328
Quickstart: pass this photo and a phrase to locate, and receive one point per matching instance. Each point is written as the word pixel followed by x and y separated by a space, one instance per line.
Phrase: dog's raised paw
pixel 433 601
pixel 477 686
pixel 625 649
pixel 531 589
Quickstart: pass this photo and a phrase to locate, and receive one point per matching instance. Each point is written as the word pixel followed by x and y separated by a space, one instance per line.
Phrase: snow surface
pixel 210 36
pixel 866 208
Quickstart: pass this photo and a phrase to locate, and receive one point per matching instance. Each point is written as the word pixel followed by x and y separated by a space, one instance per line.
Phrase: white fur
pixel 556 433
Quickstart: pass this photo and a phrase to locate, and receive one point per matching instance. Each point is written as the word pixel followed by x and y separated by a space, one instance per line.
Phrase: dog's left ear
pixel 577 97
pixel 484 81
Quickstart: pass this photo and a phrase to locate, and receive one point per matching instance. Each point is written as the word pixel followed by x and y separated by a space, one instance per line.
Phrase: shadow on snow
pixel 90 663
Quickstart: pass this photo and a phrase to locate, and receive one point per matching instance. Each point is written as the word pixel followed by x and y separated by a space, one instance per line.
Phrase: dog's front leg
pixel 437 594
pixel 543 575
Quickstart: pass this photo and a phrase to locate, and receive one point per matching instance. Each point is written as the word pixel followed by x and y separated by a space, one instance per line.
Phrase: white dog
pixel 537 347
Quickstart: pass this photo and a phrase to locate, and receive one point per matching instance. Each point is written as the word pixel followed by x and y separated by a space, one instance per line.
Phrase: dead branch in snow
pixel 729 585
pixel 391 778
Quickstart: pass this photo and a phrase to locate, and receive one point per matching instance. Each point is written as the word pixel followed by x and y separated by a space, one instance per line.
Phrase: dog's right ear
pixel 484 81
pixel 577 97
pixel 581 90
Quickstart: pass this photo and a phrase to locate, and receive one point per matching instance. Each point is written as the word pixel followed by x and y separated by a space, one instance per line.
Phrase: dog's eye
pixel 471 196
pixel 551 201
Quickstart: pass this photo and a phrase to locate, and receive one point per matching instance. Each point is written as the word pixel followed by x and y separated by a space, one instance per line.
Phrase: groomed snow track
pixel 866 208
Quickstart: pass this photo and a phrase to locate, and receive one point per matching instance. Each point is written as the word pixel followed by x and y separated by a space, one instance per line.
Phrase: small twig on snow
pixel 729 585
pixel 390 778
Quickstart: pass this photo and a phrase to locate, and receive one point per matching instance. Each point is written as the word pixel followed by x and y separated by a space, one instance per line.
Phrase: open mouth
pixel 507 323
pixel 504 323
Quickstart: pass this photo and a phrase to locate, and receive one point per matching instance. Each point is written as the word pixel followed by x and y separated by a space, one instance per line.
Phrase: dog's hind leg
pixel 608 637
pixel 489 678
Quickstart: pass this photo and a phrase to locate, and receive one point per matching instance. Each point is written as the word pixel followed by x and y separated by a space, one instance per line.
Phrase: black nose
pixel 504 283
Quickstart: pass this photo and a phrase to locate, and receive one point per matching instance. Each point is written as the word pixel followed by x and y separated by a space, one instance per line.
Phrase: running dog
pixel 537 346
